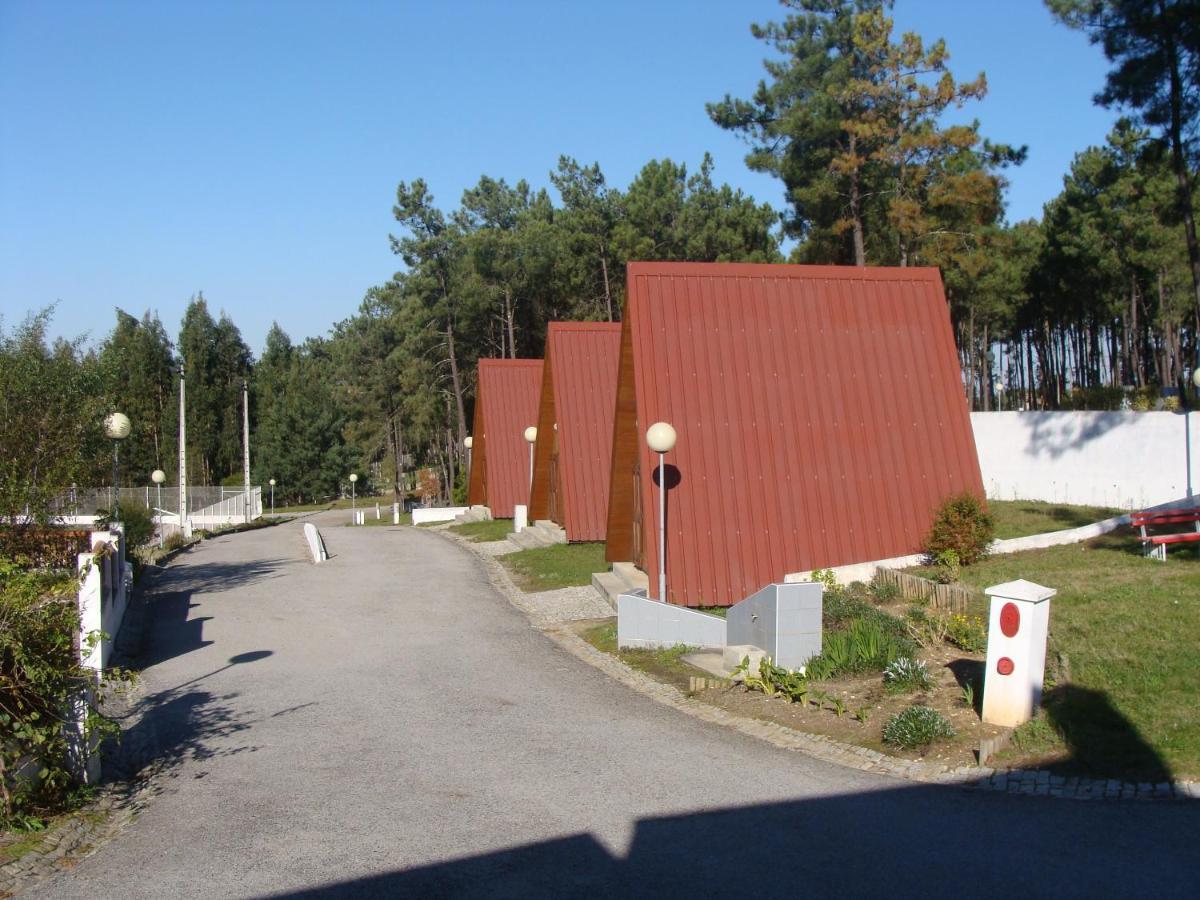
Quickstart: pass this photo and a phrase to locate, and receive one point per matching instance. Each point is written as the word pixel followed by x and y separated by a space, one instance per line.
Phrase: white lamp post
pixel 531 437
pixel 116 427
pixel 468 442
pixel 158 476
pixel 660 437
pixel 272 483
pixel 353 479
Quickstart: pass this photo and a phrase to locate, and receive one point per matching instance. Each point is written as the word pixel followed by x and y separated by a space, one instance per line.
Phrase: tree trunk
pixel 508 321
pixel 860 254
pixel 1183 177
pixel 607 289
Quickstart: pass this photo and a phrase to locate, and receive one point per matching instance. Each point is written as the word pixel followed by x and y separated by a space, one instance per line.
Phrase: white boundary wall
pixel 1127 460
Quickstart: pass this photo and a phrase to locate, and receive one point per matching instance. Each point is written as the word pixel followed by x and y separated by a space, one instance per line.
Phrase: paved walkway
pixel 386 723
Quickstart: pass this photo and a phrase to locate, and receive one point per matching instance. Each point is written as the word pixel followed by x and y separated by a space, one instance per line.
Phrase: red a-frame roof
pixel 820 414
pixel 506 403
pixel 572 461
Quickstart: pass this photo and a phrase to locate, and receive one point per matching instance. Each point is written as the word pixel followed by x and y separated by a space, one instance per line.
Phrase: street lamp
pixel 272 483
pixel 116 426
pixel 531 438
pixel 353 479
pixel 158 476
pixel 660 437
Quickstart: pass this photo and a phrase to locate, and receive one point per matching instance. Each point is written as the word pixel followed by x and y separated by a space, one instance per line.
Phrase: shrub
pixel 884 592
pixel 907 674
pixel 917 726
pixel 967 633
pixel 963 525
pixel 869 643
pixel 135 519
pixel 946 567
pixel 40 676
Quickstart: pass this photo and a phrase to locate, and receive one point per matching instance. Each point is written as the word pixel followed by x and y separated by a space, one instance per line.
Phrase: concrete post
pixel 1016 651
pixel 520 517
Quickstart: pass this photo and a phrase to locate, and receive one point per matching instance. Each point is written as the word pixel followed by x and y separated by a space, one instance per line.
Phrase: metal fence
pixel 86 501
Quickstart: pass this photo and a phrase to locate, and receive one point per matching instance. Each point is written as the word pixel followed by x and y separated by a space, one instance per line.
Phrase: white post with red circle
pixel 1016 651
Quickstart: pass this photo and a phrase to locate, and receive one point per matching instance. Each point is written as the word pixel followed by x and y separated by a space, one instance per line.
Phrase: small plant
pixel 839 707
pixel 967 633
pixel 923 627
pixel 819 698
pixel 885 593
pixel 946 567
pixel 968 695
pixel 917 726
pixel 907 674
pixel 827 578
pixel 863 714
pixel 961 524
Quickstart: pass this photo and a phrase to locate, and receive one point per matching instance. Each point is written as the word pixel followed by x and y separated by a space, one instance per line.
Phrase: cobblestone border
pixel 1035 782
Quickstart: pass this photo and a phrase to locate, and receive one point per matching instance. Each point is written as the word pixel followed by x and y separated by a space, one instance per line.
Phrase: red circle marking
pixel 1004 666
pixel 1010 619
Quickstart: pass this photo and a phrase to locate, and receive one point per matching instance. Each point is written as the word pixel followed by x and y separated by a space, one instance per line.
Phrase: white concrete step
pixel 527 539
pixel 631 577
pixel 608 586
pixel 553 532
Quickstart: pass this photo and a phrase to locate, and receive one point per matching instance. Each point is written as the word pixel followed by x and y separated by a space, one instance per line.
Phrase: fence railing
pixel 948 597
pixel 86 501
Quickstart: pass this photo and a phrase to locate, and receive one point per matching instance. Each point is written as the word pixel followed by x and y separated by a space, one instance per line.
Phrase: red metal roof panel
pixel 820 415
pixel 506 404
pixel 581 361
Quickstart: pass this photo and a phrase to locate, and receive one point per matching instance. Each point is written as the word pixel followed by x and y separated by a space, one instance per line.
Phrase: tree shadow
pixel 1102 742
pixel 167 596
pixel 912 841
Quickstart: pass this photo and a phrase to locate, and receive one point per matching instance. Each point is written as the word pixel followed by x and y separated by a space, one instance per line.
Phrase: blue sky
pixel 252 150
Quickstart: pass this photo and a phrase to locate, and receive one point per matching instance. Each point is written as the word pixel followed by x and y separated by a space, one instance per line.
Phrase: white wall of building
pixel 1128 460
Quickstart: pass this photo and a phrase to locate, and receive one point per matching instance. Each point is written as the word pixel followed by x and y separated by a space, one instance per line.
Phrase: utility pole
pixel 183 529
pixel 246 446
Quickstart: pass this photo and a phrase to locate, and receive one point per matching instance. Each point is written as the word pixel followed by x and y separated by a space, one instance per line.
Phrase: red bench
pixel 1156 544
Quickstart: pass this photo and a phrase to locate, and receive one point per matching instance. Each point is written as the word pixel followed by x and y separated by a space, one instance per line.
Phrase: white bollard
pixel 1016 651
pixel 376 512
pixel 395 513
pixel 520 517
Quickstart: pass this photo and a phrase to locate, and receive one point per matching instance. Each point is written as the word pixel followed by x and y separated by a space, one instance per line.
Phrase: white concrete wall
pixel 425 515
pixel 1127 460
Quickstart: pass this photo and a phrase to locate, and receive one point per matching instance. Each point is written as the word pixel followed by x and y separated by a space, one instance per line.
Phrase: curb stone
pixel 1031 782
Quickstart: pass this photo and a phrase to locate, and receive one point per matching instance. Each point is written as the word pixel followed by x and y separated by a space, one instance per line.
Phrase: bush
pixel 907 674
pixel 869 643
pixel 917 726
pixel 135 519
pixel 967 633
pixel 946 567
pixel 40 675
pixel 884 593
pixel 962 524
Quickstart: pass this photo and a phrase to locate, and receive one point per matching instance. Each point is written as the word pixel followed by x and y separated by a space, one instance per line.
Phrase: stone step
pixel 608 586
pixel 527 539
pixel 548 531
pixel 631 577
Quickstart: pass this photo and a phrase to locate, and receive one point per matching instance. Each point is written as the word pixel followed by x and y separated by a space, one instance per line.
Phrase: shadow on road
pixel 920 840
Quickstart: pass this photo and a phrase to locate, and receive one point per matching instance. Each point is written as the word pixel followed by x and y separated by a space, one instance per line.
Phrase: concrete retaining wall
pixel 782 619
pixel 1127 460
pixel 643 623
pixel 422 516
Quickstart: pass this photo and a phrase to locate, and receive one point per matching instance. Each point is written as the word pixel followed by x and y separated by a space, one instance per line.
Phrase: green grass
pixel 344 503
pixel 479 532
pixel 557 566
pixel 665 665
pixel 1019 518
pixel 1128 630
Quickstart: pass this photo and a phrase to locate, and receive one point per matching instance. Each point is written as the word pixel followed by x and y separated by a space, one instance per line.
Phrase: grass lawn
pixel 385 504
pixel 480 532
pixel 1018 518
pixel 665 665
pixel 1125 642
pixel 558 566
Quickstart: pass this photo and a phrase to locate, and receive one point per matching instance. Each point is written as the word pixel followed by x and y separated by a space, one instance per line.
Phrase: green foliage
pixel 917 726
pixel 40 677
pixel 946 566
pixel 51 419
pixel 869 643
pixel 962 525
pixel 905 675
pixel 773 680
pixel 885 593
pixel 968 694
pixel 863 714
pixel 967 633
pixel 137 522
